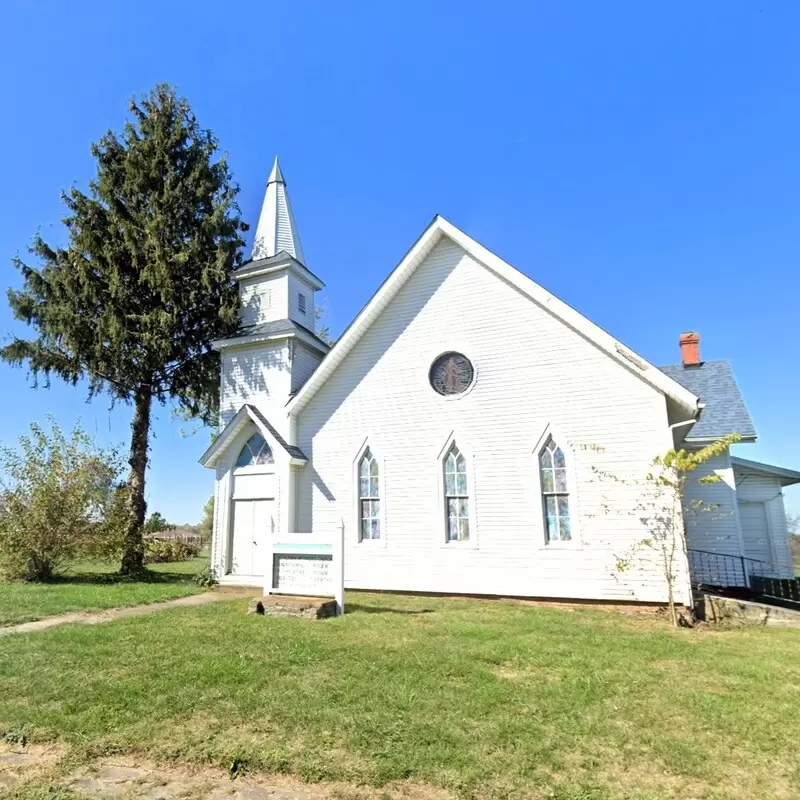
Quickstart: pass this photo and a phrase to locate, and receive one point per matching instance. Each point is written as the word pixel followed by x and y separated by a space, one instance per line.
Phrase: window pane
pixel 452 508
pixel 461 463
pixel 452 528
pixel 373 468
pixel 364 487
pixel 552 529
pixel 566 529
pixel 550 510
pixel 561 480
pixel 376 529
pixel 365 529
pixel 547 480
pixel 461 484
pixel 375 508
pixel 463 529
pixel 558 458
pixel 373 487
pixel 449 484
pixel 364 467
pixel 450 463
pixel 563 506
pixel 463 508
pixel 255 451
pixel 545 459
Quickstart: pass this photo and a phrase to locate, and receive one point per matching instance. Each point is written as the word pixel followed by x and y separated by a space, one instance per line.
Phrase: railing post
pixel 338 570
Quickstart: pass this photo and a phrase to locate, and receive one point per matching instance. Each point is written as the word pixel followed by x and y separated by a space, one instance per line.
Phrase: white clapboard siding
pixel 754 488
pixel 263 299
pixel 259 374
pixel 298 286
pixel 532 370
pixel 304 361
pixel 713 525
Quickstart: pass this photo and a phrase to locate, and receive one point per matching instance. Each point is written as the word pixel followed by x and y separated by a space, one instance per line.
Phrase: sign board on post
pixel 302 564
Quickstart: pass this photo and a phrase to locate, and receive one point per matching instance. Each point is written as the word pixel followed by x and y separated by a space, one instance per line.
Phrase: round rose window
pixel 451 373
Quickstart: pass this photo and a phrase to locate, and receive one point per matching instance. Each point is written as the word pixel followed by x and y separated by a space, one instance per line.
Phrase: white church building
pixel 458 431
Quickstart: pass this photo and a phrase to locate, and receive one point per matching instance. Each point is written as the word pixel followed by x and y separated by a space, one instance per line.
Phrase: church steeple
pixel 276 229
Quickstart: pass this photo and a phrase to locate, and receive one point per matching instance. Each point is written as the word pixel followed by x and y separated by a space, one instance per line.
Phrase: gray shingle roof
pixel 725 411
pixel 293 451
pixel 276 328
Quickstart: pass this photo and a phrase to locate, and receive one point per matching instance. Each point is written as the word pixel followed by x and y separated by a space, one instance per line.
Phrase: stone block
pixel 276 605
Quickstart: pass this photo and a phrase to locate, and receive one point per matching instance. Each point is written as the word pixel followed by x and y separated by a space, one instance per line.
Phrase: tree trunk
pixel 133 553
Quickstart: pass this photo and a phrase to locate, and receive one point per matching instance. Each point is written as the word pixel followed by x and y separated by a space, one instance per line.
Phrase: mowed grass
pixel 484 699
pixel 95 587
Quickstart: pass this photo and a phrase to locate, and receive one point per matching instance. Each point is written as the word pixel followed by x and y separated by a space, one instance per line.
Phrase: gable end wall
pixel 532 370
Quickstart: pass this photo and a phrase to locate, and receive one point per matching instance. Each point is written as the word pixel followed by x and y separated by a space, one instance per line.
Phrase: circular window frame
pixel 455 350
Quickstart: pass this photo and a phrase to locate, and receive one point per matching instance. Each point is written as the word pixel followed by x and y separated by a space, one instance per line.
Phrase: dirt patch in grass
pixel 35 772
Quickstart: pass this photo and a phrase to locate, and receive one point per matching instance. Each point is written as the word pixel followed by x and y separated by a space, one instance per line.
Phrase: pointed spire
pixel 276 229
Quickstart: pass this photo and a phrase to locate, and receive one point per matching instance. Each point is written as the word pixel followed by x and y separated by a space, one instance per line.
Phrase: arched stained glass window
pixel 456 495
pixel 369 496
pixel 555 494
pixel 256 451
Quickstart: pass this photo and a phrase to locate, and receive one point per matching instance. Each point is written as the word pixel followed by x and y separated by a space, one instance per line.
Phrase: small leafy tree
pixel 57 493
pixel 133 301
pixel 156 522
pixel 663 509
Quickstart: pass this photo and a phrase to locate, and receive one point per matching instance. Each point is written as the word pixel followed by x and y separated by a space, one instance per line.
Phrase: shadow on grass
pixel 95 578
pixel 358 608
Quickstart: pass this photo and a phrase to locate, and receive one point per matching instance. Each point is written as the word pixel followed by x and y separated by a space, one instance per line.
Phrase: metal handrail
pixel 727 555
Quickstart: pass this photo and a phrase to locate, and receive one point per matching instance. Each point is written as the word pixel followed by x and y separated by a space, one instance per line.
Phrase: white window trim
pixel 572 484
pixel 440 525
pixel 356 499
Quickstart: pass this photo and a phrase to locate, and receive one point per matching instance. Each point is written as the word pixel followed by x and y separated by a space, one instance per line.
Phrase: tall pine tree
pixel 133 301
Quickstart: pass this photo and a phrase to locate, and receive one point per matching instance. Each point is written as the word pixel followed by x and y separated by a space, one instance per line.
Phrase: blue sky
pixel 640 160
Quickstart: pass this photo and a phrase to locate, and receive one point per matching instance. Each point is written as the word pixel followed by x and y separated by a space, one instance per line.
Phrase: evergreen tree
pixel 133 301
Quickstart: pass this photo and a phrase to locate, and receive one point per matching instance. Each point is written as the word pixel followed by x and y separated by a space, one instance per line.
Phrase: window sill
pixel 569 546
pixel 372 543
pixel 459 545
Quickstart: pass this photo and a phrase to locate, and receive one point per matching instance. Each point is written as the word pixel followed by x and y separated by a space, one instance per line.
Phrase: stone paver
pixel 98 618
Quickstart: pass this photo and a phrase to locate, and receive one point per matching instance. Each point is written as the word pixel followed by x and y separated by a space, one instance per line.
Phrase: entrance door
pixel 755 531
pixel 252 528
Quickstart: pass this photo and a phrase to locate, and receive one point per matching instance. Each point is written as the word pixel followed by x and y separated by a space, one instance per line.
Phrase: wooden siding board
pixel 263 299
pixel 532 370
pixel 752 487
pixel 304 362
pixel 716 530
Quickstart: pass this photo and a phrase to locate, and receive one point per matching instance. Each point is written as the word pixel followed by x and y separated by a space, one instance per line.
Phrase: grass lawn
pixel 484 699
pixel 94 587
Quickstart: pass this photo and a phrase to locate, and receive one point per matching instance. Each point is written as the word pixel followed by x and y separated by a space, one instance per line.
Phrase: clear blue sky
pixel 640 160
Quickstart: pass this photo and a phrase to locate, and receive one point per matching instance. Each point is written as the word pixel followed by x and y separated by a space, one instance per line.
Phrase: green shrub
pixel 57 495
pixel 206 578
pixel 162 551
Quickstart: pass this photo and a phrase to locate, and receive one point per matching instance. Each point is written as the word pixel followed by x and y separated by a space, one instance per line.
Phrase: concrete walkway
pixel 99 617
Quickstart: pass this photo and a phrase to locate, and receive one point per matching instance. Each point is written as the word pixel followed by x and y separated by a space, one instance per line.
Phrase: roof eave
pixel 788 477
pixel 256 338
pixel 282 260
pixel 430 237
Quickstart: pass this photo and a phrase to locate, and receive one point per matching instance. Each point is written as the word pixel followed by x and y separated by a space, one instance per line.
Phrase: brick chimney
pixel 690 349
